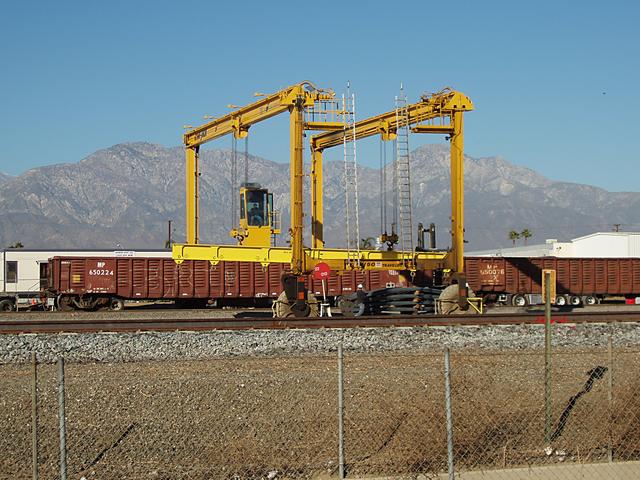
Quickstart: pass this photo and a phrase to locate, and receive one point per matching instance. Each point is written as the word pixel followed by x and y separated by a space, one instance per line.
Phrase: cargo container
pixel 94 282
pixel 518 281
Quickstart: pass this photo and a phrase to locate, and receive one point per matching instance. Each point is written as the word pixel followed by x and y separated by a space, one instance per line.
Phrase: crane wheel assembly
pixel 283 308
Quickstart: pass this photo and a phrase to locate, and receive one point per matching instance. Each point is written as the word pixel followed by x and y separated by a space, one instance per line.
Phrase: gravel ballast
pixel 133 347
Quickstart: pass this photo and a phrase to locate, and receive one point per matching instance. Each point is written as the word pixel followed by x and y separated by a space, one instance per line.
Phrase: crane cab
pixel 258 220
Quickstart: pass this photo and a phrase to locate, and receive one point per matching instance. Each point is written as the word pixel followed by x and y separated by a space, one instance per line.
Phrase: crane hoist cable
pixel 234 182
pixel 246 160
pixel 234 176
pixel 383 186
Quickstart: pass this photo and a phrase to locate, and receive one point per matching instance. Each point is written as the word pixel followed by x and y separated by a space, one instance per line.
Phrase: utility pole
pixel 169 235
pixel 547 359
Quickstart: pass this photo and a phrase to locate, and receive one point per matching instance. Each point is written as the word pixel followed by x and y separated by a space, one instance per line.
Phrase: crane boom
pixel 239 121
pixel 439 105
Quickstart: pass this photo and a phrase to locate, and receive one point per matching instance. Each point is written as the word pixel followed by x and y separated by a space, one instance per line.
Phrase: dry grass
pixel 247 417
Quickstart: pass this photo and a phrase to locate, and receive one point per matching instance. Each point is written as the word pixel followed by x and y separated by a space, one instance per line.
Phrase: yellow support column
pixel 317 213
pixel 296 168
pixel 191 176
pixel 457 192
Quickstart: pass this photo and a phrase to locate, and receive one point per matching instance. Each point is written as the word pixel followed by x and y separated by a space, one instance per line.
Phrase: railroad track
pixel 267 323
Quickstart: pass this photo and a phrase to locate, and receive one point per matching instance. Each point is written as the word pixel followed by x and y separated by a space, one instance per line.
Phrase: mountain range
pixel 4 178
pixel 122 197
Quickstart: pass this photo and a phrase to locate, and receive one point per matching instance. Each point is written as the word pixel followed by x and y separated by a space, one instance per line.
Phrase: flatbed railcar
pixel 97 282
pixel 517 281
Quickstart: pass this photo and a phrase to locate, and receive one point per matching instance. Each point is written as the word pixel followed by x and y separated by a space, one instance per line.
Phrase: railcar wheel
pixel 349 307
pixel 116 304
pixel 6 306
pixel 575 301
pixel 590 300
pixel 65 303
pixel 300 309
pixel 561 301
pixel 519 301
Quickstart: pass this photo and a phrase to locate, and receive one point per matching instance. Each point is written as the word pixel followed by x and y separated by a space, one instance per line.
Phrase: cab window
pixel 256 208
pixel 44 275
pixel 12 272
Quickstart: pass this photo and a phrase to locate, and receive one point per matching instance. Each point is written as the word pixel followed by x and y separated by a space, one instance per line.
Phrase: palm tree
pixel 513 236
pixel 526 233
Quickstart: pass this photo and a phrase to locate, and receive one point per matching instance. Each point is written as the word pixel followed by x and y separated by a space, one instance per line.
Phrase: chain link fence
pixel 280 418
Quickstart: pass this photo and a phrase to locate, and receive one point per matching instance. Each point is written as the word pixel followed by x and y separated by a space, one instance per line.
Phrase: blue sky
pixel 555 84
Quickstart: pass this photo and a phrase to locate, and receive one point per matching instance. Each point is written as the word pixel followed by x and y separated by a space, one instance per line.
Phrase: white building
pixel 594 245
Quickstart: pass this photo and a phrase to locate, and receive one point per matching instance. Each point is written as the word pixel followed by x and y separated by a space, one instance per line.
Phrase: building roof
pixel 565 249
pixel 538 250
pixel 609 234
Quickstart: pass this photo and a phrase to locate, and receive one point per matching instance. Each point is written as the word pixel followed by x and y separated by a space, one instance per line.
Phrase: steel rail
pixel 268 323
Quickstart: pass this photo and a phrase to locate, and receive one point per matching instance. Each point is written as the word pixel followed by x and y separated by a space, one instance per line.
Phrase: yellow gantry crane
pixel 440 113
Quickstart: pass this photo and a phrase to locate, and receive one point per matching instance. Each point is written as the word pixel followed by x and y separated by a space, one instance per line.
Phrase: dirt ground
pixel 278 417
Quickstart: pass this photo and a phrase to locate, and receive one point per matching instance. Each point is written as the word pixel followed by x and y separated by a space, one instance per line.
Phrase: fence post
pixel 610 397
pixel 62 421
pixel 340 412
pixel 547 359
pixel 447 402
pixel 34 415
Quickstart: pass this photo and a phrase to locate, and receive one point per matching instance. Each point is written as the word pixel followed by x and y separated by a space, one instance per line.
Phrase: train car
pixel 579 281
pixel 24 272
pixel 97 282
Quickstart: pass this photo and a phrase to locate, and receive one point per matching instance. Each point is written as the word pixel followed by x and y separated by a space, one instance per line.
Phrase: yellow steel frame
pixel 440 113
pixel 446 106
pixel 338 259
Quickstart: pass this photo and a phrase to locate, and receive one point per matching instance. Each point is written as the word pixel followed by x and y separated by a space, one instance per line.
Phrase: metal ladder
pixel 403 177
pixel 352 223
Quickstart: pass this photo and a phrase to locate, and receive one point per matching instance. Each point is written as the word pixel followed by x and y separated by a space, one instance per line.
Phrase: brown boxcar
pixel 89 282
pixel 578 280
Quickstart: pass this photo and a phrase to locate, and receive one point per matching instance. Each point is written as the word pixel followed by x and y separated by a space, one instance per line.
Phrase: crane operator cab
pixel 258 220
